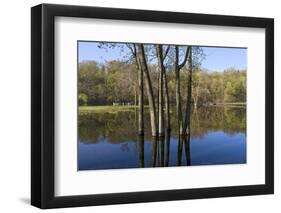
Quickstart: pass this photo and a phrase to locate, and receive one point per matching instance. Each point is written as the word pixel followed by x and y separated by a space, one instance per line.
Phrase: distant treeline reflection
pixel 122 126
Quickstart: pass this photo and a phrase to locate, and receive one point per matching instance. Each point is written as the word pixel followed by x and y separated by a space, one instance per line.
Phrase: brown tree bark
pixel 178 92
pixel 166 95
pixel 161 68
pixel 189 93
pixel 140 101
pixel 178 67
pixel 151 102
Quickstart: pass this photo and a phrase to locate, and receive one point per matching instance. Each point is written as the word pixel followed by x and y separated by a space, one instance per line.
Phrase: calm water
pixel 109 140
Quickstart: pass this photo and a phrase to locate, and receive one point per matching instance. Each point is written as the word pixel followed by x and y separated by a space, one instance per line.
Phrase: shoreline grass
pixel 106 108
pixel 126 108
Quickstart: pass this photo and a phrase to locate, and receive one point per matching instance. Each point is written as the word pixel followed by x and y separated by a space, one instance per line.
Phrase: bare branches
pixel 166 52
pixel 132 48
pixel 185 58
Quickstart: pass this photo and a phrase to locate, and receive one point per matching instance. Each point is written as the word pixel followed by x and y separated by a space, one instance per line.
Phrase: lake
pixel 109 140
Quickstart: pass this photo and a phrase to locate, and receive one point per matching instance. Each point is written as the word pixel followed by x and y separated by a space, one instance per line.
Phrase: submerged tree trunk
pixel 140 100
pixel 189 93
pixel 178 92
pixel 167 102
pixel 144 67
pixel 166 94
pixel 161 119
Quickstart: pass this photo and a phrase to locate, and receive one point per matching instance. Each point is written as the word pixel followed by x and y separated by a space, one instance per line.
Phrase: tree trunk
pixel 167 102
pixel 140 101
pixel 189 93
pixel 143 64
pixel 136 97
pixel 178 93
pixel 161 129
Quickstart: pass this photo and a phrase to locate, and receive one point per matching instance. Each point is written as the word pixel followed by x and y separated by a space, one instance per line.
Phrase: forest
pixel 159 78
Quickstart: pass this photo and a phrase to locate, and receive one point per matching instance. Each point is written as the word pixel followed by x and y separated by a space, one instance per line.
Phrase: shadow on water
pixel 109 140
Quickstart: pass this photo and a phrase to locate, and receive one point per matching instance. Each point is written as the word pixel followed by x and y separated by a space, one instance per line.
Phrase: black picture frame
pixel 43 102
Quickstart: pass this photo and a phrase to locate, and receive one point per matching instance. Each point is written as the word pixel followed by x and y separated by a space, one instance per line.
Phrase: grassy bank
pixel 116 109
pixel 103 109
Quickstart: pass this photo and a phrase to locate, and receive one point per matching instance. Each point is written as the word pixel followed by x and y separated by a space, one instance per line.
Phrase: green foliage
pixel 235 89
pixel 219 87
pixel 116 82
pixel 82 99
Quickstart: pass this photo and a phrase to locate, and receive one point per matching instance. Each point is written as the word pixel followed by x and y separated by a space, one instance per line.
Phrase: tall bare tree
pixel 161 70
pixel 177 68
pixel 189 93
pixel 166 94
pixel 140 100
pixel 143 65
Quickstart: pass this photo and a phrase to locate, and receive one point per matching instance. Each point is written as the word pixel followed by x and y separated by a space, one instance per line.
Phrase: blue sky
pixel 216 58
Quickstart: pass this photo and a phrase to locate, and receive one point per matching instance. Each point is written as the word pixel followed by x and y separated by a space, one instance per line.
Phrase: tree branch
pixel 185 58
pixel 132 49
pixel 166 52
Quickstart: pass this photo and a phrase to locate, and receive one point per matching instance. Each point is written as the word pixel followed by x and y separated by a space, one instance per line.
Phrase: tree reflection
pixel 167 147
pixel 121 128
pixel 153 152
pixel 161 141
pixel 179 150
pixel 141 150
pixel 187 149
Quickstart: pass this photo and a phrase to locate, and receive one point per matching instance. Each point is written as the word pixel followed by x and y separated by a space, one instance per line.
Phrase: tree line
pixel 159 76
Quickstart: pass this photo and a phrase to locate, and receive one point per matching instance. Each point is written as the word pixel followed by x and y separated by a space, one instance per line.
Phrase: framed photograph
pixel 140 106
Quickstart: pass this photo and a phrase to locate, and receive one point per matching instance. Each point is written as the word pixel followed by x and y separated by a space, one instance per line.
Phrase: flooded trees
pixel 150 72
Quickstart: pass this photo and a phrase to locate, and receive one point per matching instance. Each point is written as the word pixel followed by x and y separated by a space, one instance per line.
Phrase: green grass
pixel 103 109
pixel 116 109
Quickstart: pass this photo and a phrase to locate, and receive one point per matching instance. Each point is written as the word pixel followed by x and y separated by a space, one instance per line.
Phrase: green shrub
pixel 83 99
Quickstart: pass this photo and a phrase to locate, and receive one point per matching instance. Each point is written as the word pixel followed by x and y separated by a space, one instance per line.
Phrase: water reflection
pixel 109 140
